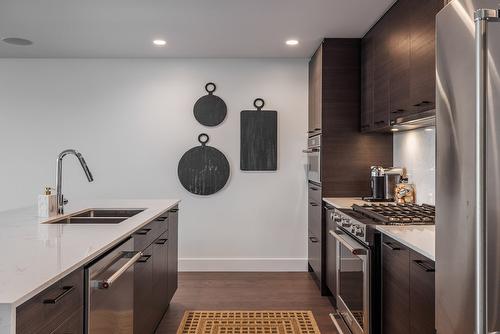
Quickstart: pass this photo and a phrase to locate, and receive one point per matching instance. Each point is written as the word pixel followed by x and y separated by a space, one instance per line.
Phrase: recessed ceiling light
pixel 160 42
pixel 17 41
pixel 292 42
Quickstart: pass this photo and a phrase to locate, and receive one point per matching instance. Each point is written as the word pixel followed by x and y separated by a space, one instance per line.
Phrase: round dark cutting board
pixel 203 170
pixel 210 110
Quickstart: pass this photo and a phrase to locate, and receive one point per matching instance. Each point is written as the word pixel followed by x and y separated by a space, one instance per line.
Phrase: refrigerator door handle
pixel 481 17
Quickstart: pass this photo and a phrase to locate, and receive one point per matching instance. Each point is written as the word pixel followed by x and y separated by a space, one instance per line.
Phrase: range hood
pixel 414 121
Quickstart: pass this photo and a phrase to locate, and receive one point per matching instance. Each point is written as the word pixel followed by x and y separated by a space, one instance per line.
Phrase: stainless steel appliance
pixel 358 260
pixel 383 183
pixel 392 176
pixel 110 291
pixel 314 159
pixel 468 165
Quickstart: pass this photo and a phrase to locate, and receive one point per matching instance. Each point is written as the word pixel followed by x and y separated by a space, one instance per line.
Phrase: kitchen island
pixel 35 254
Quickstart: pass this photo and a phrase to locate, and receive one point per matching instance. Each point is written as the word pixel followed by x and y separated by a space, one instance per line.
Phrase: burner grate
pixel 398 214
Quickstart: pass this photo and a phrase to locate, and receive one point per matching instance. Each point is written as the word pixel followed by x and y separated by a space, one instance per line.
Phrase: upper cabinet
pixel 315 92
pixel 398 64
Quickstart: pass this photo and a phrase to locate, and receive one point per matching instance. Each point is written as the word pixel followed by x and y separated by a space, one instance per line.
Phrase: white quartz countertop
pixel 34 255
pixel 420 238
pixel 344 202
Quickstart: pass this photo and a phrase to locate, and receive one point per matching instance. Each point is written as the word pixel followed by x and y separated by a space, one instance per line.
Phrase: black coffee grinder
pixel 377 183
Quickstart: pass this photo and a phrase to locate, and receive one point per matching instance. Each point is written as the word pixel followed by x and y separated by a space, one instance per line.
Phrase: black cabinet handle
pixel 161 241
pixel 144 258
pixel 313 204
pixel 390 246
pixel 313 188
pixel 380 122
pixel 174 210
pixel 310 131
pixel 143 231
pixel 423 265
pixel 161 219
pixel 422 103
pixel 66 291
pixel 398 111
pixel 317 129
pixel 313 239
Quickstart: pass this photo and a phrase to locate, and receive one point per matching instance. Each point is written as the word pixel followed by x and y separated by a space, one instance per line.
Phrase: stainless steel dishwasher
pixel 110 291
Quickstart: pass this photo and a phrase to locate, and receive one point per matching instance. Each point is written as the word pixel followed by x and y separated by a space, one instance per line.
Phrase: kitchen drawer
pixel 73 325
pixel 49 309
pixel 314 250
pixel 315 193
pixel 314 212
pixel 149 233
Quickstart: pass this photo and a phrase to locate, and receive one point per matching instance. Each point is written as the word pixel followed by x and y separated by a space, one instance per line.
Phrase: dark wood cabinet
pixel 422 76
pixel 398 64
pixel 422 294
pixel 331 253
pixel 315 92
pixel 58 306
pixel 72 325
pixel 155 274
pixel 395 287
pixel 173 217
pixel 407 290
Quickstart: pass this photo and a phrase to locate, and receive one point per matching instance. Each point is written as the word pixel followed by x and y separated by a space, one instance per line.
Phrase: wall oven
pixel 314 159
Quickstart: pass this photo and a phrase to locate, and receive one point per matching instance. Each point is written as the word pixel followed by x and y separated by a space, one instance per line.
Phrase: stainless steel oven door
pixel 353 282
pixel 314 159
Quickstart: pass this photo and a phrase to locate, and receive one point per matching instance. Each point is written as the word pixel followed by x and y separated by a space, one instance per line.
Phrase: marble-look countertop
pixel 420 238
pixel 35 255
pixel 344 202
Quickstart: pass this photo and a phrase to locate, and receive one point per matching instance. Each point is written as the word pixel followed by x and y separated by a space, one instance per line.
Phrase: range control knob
pixel 346 222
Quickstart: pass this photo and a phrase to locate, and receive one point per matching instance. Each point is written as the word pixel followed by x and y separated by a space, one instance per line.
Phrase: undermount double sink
pixel 98 216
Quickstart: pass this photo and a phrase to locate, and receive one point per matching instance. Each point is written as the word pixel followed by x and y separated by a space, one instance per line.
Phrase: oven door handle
pixel 354 250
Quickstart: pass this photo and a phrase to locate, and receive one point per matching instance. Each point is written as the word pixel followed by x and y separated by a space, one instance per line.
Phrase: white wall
pixel 133 120
pixel 416 150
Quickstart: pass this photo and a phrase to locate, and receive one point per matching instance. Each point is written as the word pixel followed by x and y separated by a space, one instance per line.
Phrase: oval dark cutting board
pixel 210 110
pixel 203 170
pixel 259 139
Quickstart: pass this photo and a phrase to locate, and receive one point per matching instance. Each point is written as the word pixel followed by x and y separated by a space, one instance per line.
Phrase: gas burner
pixel 398 214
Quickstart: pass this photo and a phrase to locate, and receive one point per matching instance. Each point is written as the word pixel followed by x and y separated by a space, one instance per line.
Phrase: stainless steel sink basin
pixel 99 216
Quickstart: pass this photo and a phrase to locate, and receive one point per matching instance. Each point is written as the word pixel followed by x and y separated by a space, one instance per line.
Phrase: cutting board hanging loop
pixel 258 103
pixel 203 138
pixel 210 88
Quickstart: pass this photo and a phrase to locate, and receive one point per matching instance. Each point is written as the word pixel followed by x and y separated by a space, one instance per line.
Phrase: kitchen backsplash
pixel 416 150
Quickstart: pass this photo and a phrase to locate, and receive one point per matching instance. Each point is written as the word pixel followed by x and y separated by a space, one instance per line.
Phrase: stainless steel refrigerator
pixel 468 168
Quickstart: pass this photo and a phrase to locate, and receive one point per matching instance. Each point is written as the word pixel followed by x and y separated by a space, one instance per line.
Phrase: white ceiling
pixel 192 28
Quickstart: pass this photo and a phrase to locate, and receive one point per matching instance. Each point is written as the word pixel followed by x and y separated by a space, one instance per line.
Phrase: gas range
pixel 359 220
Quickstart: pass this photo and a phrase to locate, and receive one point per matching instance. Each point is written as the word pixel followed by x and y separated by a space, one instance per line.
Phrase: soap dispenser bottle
pixel 47 204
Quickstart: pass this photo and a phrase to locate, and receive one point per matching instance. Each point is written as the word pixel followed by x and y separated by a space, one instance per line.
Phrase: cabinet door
pixel 314 251
pixel 144 303
pixel 381 72
pixel 331 254
pixel 422 293
pixel 399 40
pixel 160 276
pixel 422 54
pixel 367 82
pixel 72 325
pixel 315 91
pixel 395 287
pixel 173 217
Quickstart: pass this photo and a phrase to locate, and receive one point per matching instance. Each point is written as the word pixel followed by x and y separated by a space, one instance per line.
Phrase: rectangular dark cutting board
pixel 259 140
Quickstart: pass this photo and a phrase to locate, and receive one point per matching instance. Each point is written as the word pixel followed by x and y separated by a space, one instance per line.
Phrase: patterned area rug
pixel 248 322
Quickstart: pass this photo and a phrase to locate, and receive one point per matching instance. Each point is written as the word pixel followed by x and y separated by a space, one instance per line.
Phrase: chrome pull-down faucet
pixel 60 197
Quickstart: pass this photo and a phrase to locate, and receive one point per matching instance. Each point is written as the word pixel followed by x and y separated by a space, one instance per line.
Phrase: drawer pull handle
pixel 161 219
pixel 161 241
pixel 143 231
pixel 313 204
pixel 314 189
pixel 144 258
pixel 313 239
pixel 65 292
pixel 390 246
pixel 427 268
pixel 174 210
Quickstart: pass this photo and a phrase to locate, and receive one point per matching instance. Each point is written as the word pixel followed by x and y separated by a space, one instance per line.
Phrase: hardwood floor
pixel 246 291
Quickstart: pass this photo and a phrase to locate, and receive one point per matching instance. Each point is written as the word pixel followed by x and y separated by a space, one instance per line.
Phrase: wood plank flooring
pixel 246 291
